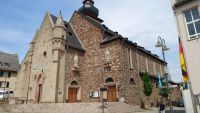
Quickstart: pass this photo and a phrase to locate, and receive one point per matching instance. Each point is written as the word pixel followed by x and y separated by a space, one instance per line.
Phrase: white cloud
pixel 142 21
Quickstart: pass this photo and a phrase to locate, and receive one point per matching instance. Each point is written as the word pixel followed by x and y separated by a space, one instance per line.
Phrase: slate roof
pixel 72 39
pixel 115 36
pixel 109 35
pixel 11 59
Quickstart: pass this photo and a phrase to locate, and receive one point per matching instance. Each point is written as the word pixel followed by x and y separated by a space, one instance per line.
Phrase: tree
pixel 148 87
pixel 163 92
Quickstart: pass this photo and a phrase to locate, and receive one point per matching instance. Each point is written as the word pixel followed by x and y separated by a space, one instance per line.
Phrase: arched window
pixel 109 80
pixel 131 81
pixel 74 83
pixel 1 64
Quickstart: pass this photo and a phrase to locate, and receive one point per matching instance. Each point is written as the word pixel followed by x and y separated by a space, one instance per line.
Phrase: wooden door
pixel 72 96
pixel 111 94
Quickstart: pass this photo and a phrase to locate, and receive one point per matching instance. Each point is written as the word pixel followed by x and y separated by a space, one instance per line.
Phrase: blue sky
pixel 142 21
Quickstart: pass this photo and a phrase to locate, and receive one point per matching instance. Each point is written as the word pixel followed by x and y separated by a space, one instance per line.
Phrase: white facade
pixel 190 39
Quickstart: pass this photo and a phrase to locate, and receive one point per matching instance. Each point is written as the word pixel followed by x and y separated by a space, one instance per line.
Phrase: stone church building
pixel 70 61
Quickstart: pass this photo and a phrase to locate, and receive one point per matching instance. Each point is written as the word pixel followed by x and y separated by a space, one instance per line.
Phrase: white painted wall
pixel 191 47
pixel 187 101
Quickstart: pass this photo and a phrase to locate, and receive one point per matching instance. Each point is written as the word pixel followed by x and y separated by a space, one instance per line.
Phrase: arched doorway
pixel 73 91
pixel 38 89
pixel 111 92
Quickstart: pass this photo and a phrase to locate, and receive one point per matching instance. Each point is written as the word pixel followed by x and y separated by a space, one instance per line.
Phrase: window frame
pixel 4 84
pixel 1 64
pixel 7 64
pixel 109 80
pixel 1 74
pixel 196 35
pixel 132 81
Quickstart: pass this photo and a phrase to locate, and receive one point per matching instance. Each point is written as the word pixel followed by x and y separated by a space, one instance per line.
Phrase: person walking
pixel 162 107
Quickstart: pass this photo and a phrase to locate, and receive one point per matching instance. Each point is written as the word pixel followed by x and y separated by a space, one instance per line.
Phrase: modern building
pixel 70 61
pixel 187 14
pixel 9 65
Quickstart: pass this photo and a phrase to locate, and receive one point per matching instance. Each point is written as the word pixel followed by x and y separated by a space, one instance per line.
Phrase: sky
pixel 142 21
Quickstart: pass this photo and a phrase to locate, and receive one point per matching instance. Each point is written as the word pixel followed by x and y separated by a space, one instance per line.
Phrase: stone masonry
pixel 70 61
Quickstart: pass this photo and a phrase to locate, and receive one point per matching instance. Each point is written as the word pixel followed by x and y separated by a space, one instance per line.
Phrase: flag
pixel 159 80
pixel 182 61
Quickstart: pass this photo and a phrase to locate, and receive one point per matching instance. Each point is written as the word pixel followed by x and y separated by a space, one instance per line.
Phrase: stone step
pixel 74 108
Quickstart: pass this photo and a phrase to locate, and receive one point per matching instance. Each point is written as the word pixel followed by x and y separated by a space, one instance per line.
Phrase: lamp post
pixel 103 89
pixel 161 43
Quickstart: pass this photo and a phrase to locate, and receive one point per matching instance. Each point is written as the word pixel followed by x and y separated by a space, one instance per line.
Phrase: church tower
pixel 90 10
pixel 58 41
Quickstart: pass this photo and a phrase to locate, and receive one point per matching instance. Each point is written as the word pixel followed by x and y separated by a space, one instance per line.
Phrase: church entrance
pixel 111 94
pixel 38 88
pixel 72 95
pixel 73 92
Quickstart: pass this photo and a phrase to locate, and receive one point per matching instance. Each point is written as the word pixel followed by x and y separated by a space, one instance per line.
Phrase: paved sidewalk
pixel 155 110
pixel 176 110
pixel 2 110
pixel 152 110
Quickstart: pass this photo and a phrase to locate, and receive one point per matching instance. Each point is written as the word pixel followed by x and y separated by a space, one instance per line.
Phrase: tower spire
pixel 60 21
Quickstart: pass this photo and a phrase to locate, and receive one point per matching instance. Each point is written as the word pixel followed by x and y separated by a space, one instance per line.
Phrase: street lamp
pixel 161 43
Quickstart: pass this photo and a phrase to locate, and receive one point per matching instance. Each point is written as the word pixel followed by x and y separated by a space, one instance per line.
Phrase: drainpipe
pixel 64 96
pixel 124 79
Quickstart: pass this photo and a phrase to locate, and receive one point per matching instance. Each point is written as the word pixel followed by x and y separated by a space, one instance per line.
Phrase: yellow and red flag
pixel 182 61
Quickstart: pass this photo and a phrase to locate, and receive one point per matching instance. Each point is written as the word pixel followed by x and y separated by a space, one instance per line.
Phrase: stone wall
pixel 41 59
pixel 42 64
pixel 131 90
pixel 175 94
pixel 57 65
pixel 93 68
pixel 120 65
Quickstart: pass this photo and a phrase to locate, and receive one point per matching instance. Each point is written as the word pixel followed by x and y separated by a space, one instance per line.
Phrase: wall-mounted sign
pixel 94 94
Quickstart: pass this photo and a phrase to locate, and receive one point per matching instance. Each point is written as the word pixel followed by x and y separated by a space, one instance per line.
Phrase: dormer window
pixel 7 64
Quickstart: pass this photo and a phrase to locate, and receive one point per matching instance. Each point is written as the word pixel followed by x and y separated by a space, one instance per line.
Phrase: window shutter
pixel 7 85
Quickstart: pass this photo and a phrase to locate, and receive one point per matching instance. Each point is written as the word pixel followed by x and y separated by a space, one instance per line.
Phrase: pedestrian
pixel 162 107
pixel 158 104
